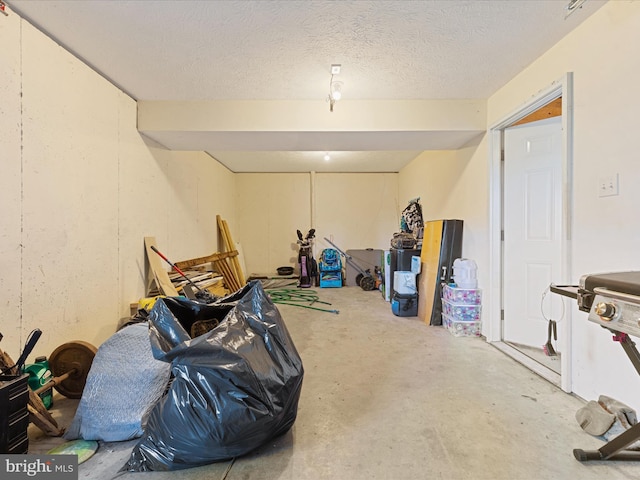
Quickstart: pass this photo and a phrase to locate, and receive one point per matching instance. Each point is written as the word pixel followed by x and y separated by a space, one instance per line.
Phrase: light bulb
pixel 336 90
pixel 327 157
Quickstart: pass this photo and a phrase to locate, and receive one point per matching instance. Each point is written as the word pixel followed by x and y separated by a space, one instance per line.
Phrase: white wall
pixel 453 185
pixel 80 189
pixel 271 208
pixel 357 210
pixel 10 183
pixel 353 210
pixel 603 54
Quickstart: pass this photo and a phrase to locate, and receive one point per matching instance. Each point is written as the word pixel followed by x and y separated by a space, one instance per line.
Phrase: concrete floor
pixel 388 397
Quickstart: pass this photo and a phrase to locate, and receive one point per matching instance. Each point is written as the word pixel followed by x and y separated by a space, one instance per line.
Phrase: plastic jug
pixel 465 273
pixel 39 375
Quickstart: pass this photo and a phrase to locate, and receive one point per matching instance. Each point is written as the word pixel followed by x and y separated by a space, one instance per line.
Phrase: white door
pixel 532 229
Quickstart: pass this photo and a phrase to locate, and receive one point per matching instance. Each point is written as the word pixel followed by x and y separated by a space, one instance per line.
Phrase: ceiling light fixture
pixel 327 157
pixel 335 87
pixel 573 5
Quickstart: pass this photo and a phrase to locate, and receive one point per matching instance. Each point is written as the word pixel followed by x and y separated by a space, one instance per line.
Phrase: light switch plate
pixel 608 185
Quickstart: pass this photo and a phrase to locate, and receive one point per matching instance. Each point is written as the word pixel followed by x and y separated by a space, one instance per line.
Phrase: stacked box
pixel 14 416
pixel 461 311
pixel 465 296
pixel 459 328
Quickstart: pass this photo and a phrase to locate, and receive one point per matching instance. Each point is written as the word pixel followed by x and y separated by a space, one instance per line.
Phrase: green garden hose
pixel 297 297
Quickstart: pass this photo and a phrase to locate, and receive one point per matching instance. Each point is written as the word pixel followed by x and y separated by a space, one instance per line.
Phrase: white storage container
pixel 459 328
pixel 461 311
pixel 404 282
pixel 465 296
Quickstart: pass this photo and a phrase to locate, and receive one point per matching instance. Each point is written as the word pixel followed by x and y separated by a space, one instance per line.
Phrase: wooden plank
pixel 41 418
pixel 218 289
pixel 6 362
pixel 234 265
pixel 202 283
pixel 243 265
pixel 234 260
pixel 160 275
pixel 227 273
pixel 208 259
pixel 233 280
pixel 225 243
pixel 429 274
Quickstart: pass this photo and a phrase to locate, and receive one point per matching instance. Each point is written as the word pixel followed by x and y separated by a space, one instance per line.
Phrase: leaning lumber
pixel 227 240
pixel 208 259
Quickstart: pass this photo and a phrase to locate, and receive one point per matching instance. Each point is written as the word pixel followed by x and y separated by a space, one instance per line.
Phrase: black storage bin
pixel 14 416
pixel 401 260
pixel 404 304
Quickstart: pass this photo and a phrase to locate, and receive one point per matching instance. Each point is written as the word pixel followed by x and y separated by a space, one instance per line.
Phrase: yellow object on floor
pixel 148 302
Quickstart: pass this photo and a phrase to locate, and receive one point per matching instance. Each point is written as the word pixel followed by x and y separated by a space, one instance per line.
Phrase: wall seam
pixel 21 295
pixel 119 214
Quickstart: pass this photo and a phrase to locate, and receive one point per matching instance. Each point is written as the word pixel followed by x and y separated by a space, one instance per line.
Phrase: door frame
pixel 560 88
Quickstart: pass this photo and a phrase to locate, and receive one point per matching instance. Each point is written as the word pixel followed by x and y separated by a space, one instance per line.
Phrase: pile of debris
pixel 218 274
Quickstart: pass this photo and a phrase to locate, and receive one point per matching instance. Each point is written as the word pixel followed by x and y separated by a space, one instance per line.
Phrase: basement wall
pixel 353 210
pixel 602 53
pixel 80 189
pixel 452 185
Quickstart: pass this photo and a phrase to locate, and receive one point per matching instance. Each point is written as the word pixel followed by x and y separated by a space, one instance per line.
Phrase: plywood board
pixel 158 273
pixel 429 274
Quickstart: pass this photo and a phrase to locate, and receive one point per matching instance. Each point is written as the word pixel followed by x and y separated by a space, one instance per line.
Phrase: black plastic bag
pixel 234 388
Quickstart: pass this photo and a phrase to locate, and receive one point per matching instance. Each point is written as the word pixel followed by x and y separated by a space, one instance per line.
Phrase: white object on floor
pixel 404 282
pixel 465 273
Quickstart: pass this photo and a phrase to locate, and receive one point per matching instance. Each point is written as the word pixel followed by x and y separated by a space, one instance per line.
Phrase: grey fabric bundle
pixel 123 384
pixel 607 418
pixel 594 419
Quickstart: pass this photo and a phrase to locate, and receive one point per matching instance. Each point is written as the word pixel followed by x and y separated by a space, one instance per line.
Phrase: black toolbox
pixel 14 416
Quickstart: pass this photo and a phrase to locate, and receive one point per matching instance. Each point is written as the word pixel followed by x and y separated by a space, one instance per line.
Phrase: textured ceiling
pixel 274 50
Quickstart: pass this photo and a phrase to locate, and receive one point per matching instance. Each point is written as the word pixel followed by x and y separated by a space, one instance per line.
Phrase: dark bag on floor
pixel 234 388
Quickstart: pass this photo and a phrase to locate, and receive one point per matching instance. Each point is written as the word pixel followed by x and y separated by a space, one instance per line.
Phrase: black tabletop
pixel 624 282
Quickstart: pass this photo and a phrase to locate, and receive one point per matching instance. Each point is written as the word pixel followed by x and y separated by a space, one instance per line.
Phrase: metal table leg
pixel 615 449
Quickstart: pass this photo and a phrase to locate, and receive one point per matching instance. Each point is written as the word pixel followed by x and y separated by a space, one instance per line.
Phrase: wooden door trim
pixel 551 109
pixel 562 88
